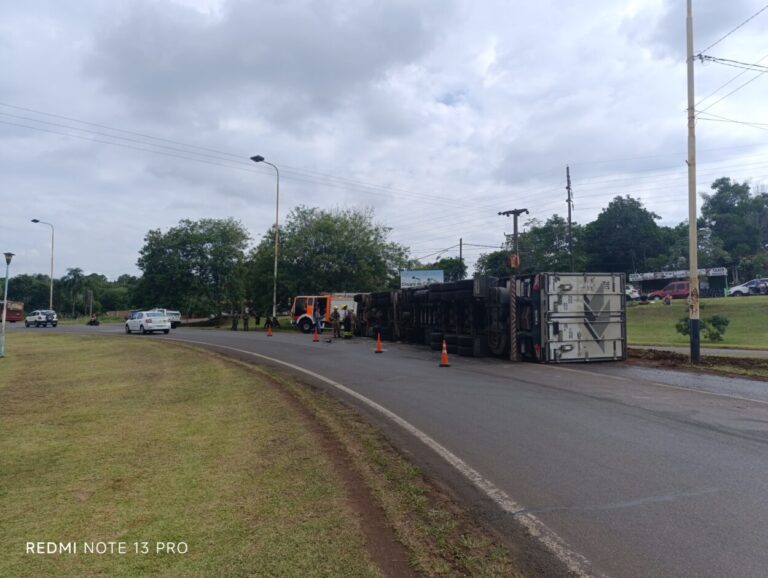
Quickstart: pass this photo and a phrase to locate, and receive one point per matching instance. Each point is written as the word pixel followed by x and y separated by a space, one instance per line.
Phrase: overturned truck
pixel 546 317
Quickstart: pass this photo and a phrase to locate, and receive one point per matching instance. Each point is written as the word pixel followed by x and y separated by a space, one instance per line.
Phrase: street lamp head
pixel 257 159
pixel 35 220
pixel 8 257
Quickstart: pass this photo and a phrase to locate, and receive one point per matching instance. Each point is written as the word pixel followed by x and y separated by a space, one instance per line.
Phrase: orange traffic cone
pixel 269 330
pixel 444 356
pixel 315 337
pixel 378 344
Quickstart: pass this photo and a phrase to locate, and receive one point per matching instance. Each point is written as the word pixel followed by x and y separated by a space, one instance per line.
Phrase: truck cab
pixel 304 306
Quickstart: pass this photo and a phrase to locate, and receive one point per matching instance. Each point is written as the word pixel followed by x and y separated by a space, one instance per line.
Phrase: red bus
pixel 15 311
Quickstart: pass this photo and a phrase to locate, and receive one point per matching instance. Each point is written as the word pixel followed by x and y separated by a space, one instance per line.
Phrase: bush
pixel 712 328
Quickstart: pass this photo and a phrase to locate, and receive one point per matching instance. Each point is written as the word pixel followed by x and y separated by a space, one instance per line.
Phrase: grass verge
pixel 441 536
pixel 654 324
pixel 133 441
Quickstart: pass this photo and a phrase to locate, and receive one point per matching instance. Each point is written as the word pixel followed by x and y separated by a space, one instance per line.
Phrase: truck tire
pixel 305 325
pixel 466 351
pixel 466 341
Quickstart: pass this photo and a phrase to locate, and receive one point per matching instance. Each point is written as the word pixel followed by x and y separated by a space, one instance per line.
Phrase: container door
pixel 584 317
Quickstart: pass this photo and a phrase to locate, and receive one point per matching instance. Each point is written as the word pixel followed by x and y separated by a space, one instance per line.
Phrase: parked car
pixel 676 290
pixel 175 318
pixel 41 318
pixel 148 322
pixel 754 287
pixel 631 292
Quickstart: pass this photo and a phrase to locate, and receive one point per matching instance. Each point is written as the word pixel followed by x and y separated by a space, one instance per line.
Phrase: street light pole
pixel 8 257
pixel 50 299
pixel 260 159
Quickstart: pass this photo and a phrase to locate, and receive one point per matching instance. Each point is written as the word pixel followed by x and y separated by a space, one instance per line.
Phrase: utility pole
pixel 693 244
pixel 515 261
pixel 461 258
pixel 570 206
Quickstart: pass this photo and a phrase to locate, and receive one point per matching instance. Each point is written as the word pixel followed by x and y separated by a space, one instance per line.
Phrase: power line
pixel 437 252
pixel 716 42
pixel 739 75
pixel 738 88
pixel 718 118
pixel 734 63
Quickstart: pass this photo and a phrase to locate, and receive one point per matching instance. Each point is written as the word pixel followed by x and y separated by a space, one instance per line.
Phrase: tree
pixel 545 247
pixel 71 289
pixel 453 268
pixel 341 250
pixel 32 290
pixel 196 266
pixel 495 264
pixel 727 213
pixel 623 237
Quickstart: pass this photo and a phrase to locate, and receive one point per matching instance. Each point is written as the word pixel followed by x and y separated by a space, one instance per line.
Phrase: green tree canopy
pixel 453 268
pixel 623 237
pixel 341 250
pixel 196 267
pixel 494 264
pixel 738 224
pixel 545 247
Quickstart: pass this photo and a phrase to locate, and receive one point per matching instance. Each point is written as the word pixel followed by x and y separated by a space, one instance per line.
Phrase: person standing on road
pixel 336 321
pixel 317 318
pixel 235 320
pixel 346 321
pixel 246 315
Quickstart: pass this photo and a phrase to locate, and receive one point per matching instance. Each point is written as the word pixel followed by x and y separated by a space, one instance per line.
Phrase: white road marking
pixel 575 562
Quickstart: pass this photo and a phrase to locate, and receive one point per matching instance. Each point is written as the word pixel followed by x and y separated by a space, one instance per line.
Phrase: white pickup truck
pixel 173 316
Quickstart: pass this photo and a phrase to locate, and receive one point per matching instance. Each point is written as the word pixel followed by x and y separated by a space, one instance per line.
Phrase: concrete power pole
pixel 570 207
pixel 693 244
pixel 515 214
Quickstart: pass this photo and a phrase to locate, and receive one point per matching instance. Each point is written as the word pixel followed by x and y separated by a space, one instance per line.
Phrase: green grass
pixel 120 439
pixel 654 324
pixel 441 535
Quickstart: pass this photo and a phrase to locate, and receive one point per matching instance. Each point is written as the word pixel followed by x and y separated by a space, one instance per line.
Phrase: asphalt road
pixel 641 472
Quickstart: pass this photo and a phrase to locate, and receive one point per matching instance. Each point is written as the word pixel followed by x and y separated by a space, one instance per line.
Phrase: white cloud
pixel 436 114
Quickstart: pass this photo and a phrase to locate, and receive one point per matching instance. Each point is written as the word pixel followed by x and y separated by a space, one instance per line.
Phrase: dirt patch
pixel 388 554
pixel 722 365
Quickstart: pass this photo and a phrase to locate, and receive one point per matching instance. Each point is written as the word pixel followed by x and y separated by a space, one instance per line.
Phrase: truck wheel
pixel 466 351
pixel 305 325
pixel 466 341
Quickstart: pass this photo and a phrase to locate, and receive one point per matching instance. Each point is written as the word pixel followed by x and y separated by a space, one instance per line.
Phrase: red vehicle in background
pixel 15 311
pixel 676 290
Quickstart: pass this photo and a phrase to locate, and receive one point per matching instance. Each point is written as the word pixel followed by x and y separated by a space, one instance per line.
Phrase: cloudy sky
pixel 124 116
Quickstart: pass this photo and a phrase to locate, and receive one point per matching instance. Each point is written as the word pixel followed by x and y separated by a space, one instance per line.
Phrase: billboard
pixel 420 278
